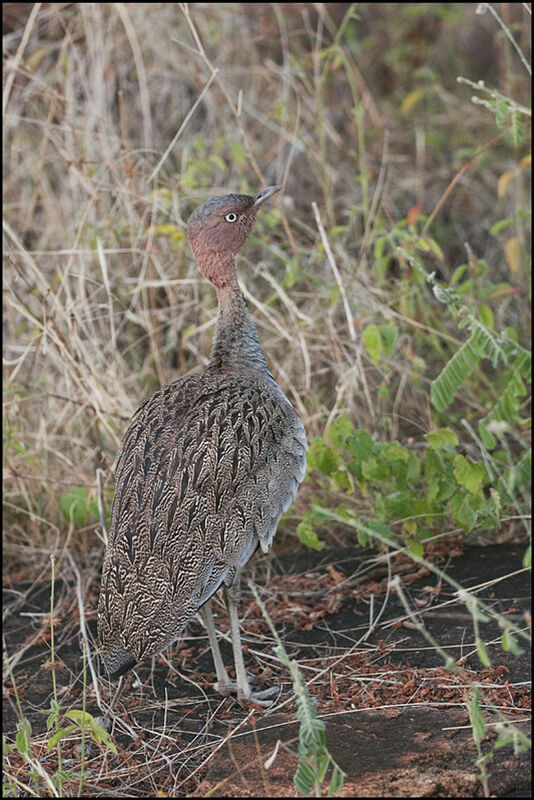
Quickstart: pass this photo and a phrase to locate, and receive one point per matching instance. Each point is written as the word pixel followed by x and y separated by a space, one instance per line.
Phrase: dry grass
pixel 118 121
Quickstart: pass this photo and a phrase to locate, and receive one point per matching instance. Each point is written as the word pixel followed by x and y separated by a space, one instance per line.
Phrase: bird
pixel 207 466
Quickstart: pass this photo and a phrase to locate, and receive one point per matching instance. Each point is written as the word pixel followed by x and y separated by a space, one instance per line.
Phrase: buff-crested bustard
pixel 208 465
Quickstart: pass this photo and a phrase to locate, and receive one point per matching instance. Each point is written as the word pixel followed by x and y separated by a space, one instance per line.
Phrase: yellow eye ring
pixel 231 217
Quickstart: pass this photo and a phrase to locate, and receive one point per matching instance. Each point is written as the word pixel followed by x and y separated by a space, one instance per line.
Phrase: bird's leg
pixel 245 694
pixel 224 685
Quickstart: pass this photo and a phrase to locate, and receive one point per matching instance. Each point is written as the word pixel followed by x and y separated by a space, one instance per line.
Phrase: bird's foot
pixel 259 697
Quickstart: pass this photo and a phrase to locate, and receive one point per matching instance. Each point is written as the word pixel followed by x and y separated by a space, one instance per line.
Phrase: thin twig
pixel 18 55
pixel 333 266
pixel 346 306
pixel 509 35
pixel 144 94
pixel 83 630
pixel 100 501
pixel 456 178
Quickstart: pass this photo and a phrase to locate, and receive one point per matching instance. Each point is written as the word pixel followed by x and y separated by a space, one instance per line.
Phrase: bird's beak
pixel 265 194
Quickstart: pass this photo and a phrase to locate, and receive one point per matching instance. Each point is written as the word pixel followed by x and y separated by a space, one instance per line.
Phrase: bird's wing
pixel 278 449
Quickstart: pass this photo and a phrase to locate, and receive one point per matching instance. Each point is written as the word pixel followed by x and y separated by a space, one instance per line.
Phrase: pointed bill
pixel 265 194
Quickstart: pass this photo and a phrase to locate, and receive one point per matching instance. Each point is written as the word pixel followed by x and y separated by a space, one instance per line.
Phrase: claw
pixel 261 697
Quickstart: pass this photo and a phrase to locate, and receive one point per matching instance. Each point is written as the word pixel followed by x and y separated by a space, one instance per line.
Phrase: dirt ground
pixel 396 720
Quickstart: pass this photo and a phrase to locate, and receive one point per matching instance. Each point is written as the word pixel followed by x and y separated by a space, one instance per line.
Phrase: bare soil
pixel 396 720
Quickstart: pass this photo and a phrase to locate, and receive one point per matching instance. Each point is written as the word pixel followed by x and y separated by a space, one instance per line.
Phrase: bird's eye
pixel 231 217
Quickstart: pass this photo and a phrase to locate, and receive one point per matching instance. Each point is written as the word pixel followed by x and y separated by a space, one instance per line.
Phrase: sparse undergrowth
pixel 395 312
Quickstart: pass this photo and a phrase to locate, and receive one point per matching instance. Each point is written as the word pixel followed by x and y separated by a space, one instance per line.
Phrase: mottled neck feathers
pixel 236 344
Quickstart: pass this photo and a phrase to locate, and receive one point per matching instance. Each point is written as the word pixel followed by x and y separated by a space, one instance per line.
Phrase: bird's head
pixel 219 227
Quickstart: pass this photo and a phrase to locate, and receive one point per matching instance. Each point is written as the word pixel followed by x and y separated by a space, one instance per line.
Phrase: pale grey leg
pixel 224 685
pixel 244 692
pixel 243 689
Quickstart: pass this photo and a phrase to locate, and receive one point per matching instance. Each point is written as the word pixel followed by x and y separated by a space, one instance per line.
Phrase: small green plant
pixel 408 494
pixel 76 506
pixel 314 757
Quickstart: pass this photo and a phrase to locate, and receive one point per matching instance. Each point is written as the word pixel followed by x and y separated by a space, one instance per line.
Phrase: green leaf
pixel 360 445
pixel 323 761
pixel 346 513
pixel 23 737
pixel 381 268
pixel 516 129
pixel 483 654
pixel 436 249
pixel 400 504
pixel 422 244
pixel 471 476
pixel 454 373
pixel 431 494
pixel 337 230
pixel 103 737
pixel 523 365
pixel 415 547
pixel 464 508
pixel 322 457
pixel 475 715
pixel 395 452
pixel 81 717
pixel 509 644
pixel 74 505
pixel 447 489
pixel 380 528
pixel 457 274
pixel 338 779
pixel 340 430
pixel 379 247
pixel 507 407
pixel 58 735
pixel 343 479
pixel 304 779
pixel 375 469
pixel 373 342
pixel 388 334
pixel 169 230
pixel 441 438
pixel 380 340
pixel 308 536
pixel 435 464
pixel 96 732
pixel 485 315
pixel 362 536
pixel 487 438
pixel 501 225
pixel 413 471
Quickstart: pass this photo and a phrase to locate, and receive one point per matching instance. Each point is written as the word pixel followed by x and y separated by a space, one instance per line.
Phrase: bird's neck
pixel 236 343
